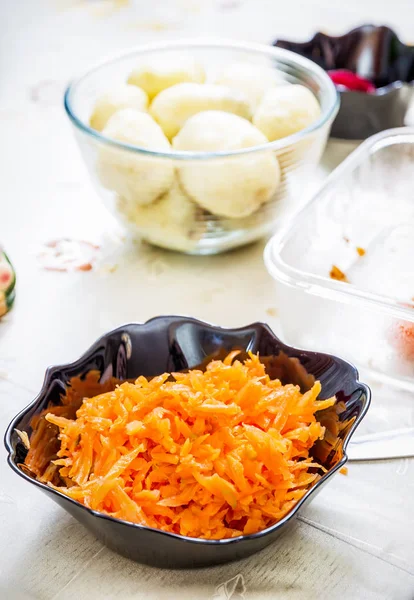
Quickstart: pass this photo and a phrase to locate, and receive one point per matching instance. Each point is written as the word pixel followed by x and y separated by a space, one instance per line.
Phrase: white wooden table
pixel 355 540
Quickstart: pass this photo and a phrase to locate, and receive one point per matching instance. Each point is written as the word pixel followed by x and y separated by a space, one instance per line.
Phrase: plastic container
pixel 178 221
pixel 362 221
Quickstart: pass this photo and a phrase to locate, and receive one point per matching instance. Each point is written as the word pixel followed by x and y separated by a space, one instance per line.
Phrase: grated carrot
pixel 212 454
pixel 336 273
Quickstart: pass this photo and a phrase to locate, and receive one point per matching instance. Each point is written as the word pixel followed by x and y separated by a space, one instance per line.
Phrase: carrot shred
pixel 210 454
pixel 336 273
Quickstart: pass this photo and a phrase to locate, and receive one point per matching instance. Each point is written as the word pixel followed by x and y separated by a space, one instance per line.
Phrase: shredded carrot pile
pixel 212 454
pixel 44 443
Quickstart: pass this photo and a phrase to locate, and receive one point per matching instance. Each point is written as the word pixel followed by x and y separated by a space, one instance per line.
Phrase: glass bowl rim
pixel 209 43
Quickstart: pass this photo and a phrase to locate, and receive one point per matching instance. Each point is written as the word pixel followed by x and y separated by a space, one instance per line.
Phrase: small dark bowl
pixel 377 54
pixel 177 343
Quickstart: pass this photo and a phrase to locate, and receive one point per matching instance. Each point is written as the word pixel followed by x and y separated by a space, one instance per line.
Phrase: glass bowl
pixel 172 343
pixel 124 173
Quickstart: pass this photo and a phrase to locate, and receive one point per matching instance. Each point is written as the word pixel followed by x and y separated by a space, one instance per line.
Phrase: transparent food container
pixel 166 197
pixel 361 222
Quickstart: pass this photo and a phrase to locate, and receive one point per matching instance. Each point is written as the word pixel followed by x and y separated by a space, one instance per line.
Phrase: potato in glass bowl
pixel 202 146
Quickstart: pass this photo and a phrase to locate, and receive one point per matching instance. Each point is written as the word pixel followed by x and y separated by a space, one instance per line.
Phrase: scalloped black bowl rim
pixel 380 91
pixel 53 369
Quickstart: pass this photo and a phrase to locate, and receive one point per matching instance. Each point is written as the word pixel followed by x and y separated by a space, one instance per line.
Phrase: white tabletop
pixel 355 540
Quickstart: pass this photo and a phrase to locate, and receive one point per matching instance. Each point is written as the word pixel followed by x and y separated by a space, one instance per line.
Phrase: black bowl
pixel 373 52
pixel 177 343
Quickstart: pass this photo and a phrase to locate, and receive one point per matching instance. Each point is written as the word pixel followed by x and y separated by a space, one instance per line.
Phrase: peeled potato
pixel 285 110
pixel 170 222
pixel 230 187
pixel 172 107
pixel 123 96
pixel 162 72
pixel 252 80
pixel 137 178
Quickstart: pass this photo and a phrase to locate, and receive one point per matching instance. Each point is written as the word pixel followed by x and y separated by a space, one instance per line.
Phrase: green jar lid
pixel 7 284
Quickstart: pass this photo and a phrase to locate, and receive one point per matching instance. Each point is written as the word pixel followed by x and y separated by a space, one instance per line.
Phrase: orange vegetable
pixel 401 337
pixel 336 273
pixel 211 454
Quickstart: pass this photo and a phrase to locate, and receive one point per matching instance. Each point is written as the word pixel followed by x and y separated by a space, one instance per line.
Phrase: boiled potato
pixel 161 72
pixel 172 107
pixel 169 222
pixel 285 110
pixel 252 80
pixel 123 96
pixel 233 186
pixel 137 178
